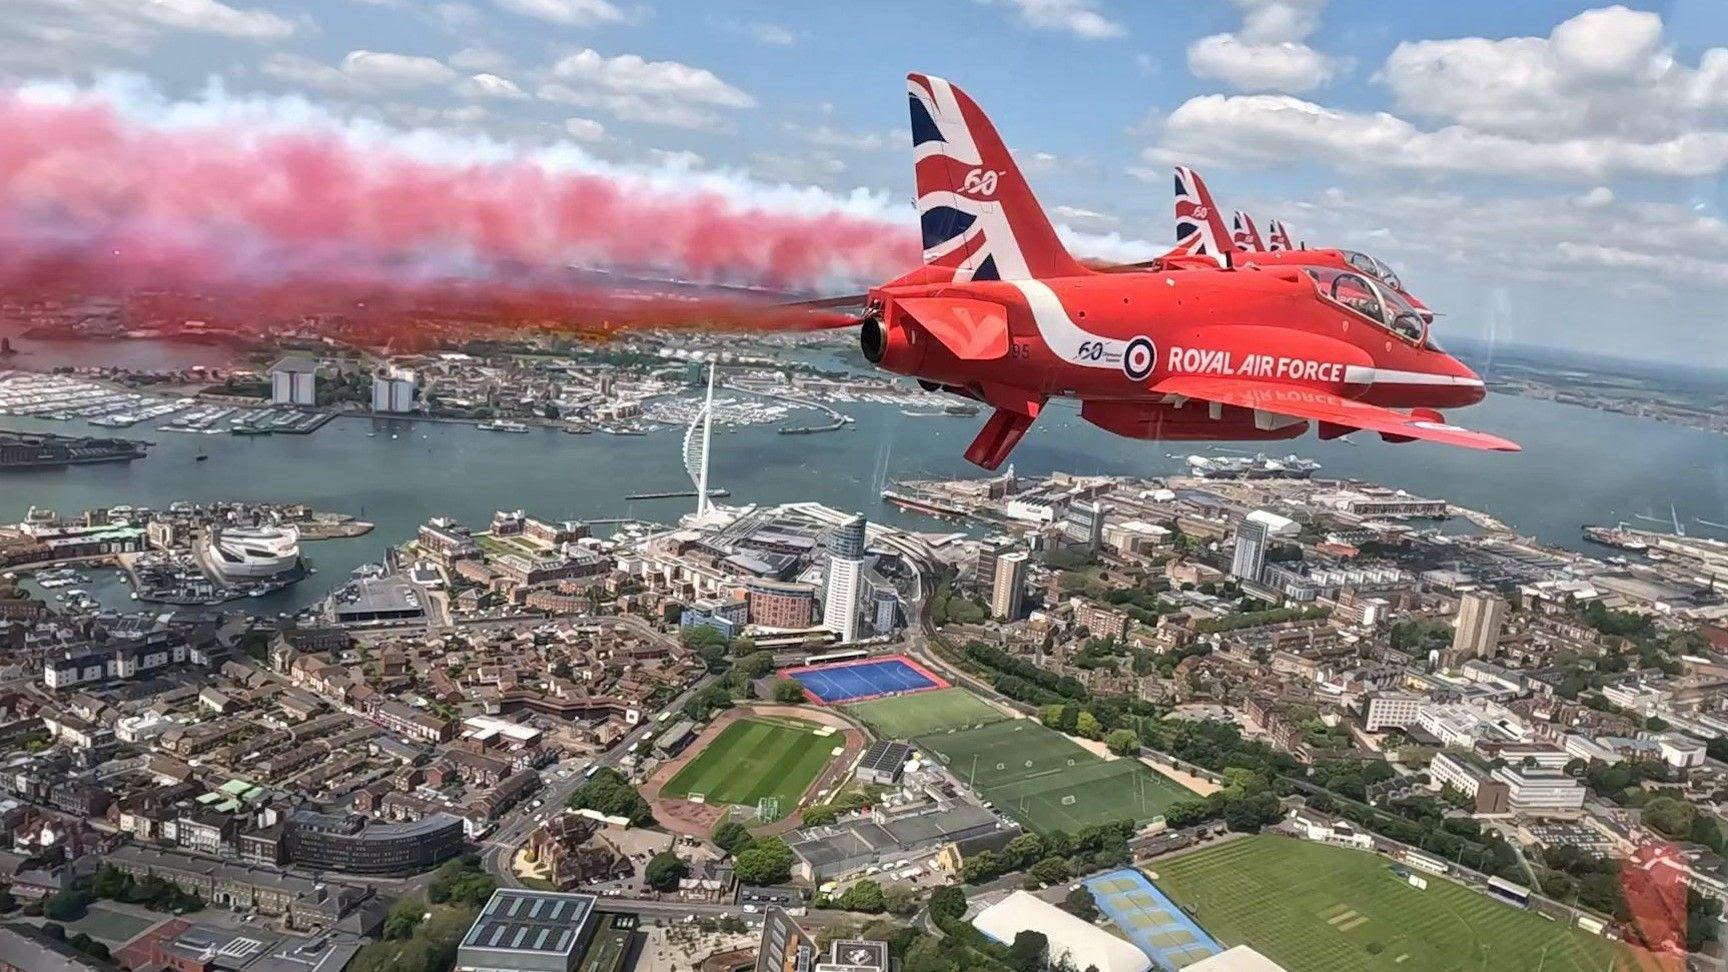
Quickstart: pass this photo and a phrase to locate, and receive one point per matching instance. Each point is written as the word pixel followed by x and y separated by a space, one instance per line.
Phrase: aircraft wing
pixel 1321 406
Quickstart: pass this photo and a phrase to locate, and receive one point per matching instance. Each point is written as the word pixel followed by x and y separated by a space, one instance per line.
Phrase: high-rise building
pixel 984 564
pixel 1481 615
pixel 393 390
pixel 1008 586
pixel 294 381
pixel 1249 560
pixel 1083 523
pixel 845 547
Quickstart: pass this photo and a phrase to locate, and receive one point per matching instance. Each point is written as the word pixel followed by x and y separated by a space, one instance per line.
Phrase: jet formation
pixel 1225 337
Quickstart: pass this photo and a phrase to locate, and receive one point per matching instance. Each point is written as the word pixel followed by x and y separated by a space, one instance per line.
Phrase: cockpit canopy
pixel 1373 268
pixel 1374 299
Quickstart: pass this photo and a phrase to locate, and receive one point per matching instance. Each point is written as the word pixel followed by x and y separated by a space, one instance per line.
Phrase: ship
pixel 30 450
pixel 1251 467
pixel 503 425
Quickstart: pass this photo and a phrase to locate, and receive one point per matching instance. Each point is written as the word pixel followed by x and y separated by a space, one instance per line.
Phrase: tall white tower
pixel 696 449
pixel 845 579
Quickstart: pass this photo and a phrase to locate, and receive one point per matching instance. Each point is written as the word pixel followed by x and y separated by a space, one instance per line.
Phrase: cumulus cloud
pixel 1078 17
pixel 362 72
pixel 570 13
pixel 59 34
pixel 1268 53
pixel 485 85
pixel 635 89
pixel 1604 72
pixel 585 130
pixel 1599 97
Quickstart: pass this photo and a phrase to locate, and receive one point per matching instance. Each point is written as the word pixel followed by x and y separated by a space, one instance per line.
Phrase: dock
pixel 678 494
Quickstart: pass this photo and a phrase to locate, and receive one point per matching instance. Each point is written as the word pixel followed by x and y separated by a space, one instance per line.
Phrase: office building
pixel 351 843
pixel 1481 615
pixel 294 381
pixel 1383 709
pixel 1008 588
pixel 884 610
pixel 1537 792
pixel 237 554
pixel 1083 524
pixel 845 582
pixel 523 930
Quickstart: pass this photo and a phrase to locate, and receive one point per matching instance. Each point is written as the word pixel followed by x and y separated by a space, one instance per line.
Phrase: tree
pixel 111 883
pixel 742 646
pixel 1030 952
pixel 462 881
pixel 1051 870
pixel 1022 851
pixel 821 815
pixel 981 867
pixel 610 793
pixel 765 861
pixel 665 870
pixel 1081 904
pixel 1087 726
pixel 947 903
pixel 787 690
pixel 404 917
pixel 732 836
pixel 1123 742
pixel 864 895
pixel 1673 818
pixel 900 899
pixel 67 905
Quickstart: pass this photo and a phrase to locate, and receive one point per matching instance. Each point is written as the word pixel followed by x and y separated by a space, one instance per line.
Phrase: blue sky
pixel 1540 172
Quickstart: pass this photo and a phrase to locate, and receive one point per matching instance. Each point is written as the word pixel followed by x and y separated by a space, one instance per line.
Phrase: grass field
pixel 755 758
pixel 1311 906
pixel 1046 781
pixel 922 713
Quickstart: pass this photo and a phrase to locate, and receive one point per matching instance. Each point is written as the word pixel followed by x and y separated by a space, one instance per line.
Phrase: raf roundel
pixel 1140 358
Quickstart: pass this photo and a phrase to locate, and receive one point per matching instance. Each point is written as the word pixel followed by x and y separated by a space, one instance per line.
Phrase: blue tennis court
pixel 1151 920
pixel 870 678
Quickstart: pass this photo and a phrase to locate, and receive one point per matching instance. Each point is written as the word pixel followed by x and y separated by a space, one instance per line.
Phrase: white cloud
pixel 491 86
pixel 1596 198
pixel 1081 215
pixel 483 59
pixel 570 13
pixel 1280 66
pixel 634 89
pixel 1603 73
pixel 60 35
pixel 1268 53
pixel 362 73
pixel 1078 17
pixel 585 130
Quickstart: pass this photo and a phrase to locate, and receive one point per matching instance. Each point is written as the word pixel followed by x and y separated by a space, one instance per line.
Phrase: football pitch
pixel 752 759
pixel 1310 906
pixel 922 713
pixel 1046 781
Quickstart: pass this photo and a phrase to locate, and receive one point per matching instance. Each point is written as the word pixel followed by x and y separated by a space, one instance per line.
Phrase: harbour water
pixel 1578 467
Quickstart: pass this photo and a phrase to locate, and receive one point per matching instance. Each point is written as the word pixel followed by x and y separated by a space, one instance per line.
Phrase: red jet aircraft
pixel 1200 231
pixel 1001 313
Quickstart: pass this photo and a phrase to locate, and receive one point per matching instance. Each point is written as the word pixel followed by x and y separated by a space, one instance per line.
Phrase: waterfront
pixel 1578 467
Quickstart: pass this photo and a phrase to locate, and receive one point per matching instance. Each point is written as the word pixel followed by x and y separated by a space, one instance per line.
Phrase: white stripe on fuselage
pixel 1366 375
pixel 1061 334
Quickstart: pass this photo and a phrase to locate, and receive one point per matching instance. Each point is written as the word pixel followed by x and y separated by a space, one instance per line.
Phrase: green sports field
pixel 922 713
pixel 754 758
pixel 1311 906
pixel 1045 781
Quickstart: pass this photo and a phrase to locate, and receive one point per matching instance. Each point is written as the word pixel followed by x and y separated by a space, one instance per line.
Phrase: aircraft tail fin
pixel 1278 236
pixel 1200 229
pixel 1245 234
pixel 978 215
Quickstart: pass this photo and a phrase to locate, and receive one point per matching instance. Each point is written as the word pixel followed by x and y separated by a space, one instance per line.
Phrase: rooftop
pixel 530 921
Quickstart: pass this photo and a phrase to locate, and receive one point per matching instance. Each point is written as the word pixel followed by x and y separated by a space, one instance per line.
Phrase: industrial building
pixel 1073 941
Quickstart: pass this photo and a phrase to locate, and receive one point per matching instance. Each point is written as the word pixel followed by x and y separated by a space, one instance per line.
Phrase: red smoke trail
pixel 93 204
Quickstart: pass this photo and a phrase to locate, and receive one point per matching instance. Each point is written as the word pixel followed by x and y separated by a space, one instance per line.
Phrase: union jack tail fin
pixel 1244 233
pixel 979 217
pixel 1200 227
pixel 1277 236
